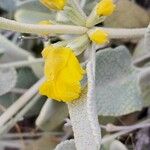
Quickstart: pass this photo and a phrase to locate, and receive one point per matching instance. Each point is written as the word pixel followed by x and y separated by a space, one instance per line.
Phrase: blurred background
pixel 17 76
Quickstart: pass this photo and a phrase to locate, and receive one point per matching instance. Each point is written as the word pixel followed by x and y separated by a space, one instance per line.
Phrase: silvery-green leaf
pixel 33 12
pixel 117 145
pixel 25 79
pixel 142 50
pixel 117 86
pixel 113 145
pixel 19 115
pixel 8 5
pixel 89 5
pixel 52 115
pixel 12 52
pixel 79 44
pixel 37 68
pixel 35 5
pixel 8 78
pixel 147 39
pixel 139 50
pixel 144 79
pixel 74 16
pixel 1 51
pixel 66 145
pixel 62 18
pixel 84 118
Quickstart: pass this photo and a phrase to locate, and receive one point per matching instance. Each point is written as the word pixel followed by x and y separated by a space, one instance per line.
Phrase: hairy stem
pixel 124 130
pixel 21 102
pixel 30 135
pixel 40 29
pixel 120 33
pixel 12 48
pixel 113 128
pixel 19 115
pixel 142 60
pixel 23 63
pixel 114 33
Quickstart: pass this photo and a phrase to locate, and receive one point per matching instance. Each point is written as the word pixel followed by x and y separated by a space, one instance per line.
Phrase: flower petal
pixel 56 59
pixel 99 36
pixel 54 4
pixel 105 8
pixel 63 74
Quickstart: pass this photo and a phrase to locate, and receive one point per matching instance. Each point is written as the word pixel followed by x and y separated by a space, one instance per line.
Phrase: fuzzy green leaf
pixel 8 78
pixel 12 51
pixel 144 80
pixel 52 115
pixel 117 145
pixel 117 86
pixel 39 13
pixel 25 79
pixel 66 145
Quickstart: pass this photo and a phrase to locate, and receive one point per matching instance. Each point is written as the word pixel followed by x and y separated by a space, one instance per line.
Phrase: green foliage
pixel 117 87
pixel 52 115
pixel 11 51
pixel 8 5
pixel 8 79
pixel 66 145
pixel 24 79
pixel 38 11
pixel 114 145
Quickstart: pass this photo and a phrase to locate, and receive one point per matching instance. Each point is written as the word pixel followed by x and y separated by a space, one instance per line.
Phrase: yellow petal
pixel 48 89
pixel 46 51
pixel 63 74
pixel 105 7
pixel 56 59
pixel 99 36
pixel 61 91
pixel 45 22
pixel 54 4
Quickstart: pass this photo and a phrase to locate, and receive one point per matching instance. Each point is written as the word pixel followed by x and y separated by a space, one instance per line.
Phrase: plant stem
pixel 30 134
pixel 40 29
pixel 21 102
pixel 142 60
pixel 113 136
pixel 120 33
pixel 10 47
pixel 113 128
pixel 24 63
pixel 19 115
pixel 124 130
pixel 114 33
pixel 18 90
pixel 82 3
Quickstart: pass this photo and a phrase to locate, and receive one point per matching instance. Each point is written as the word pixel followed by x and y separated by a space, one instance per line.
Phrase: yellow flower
pixel 105 7
pixel 54 4
pixel 99 36
pixel 63 74
pixel 45 22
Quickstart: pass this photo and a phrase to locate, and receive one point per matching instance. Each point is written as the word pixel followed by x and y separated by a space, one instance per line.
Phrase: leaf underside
pixel 8 79
pixel 117 86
